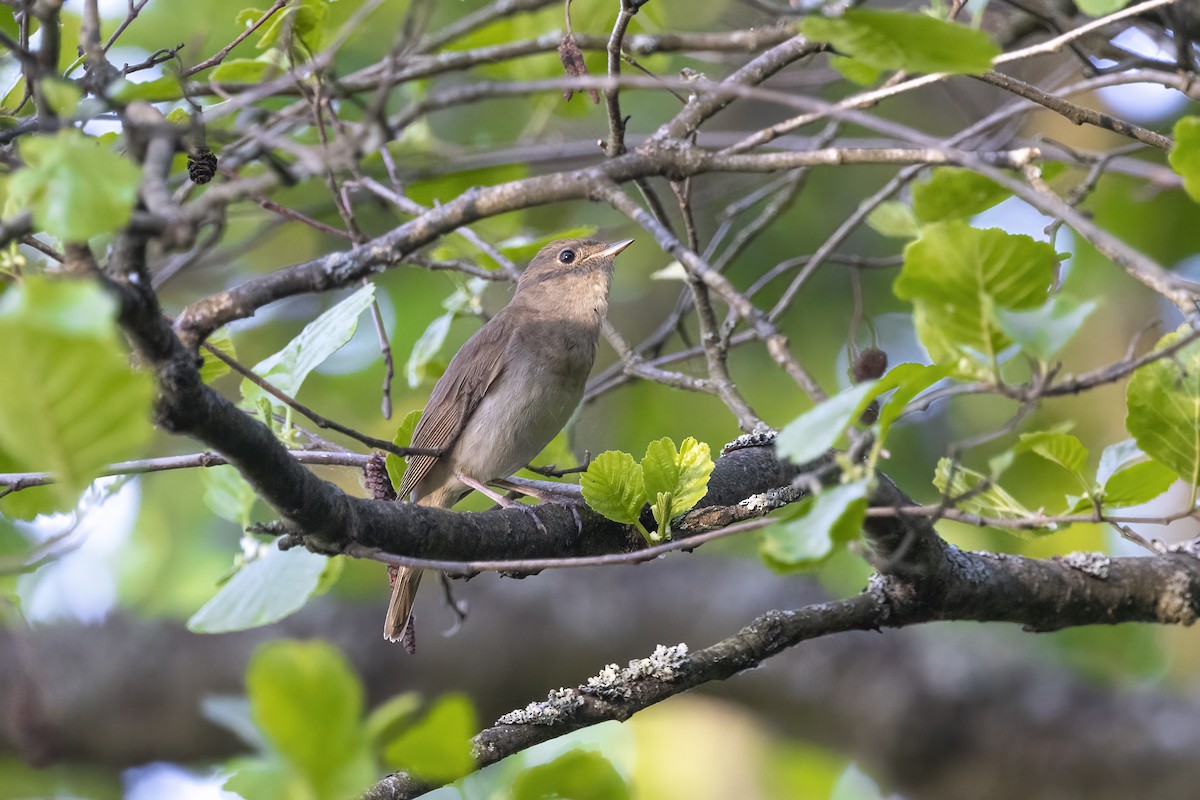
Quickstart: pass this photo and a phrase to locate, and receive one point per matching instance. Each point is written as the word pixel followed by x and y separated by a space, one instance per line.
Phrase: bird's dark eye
pixel 566 256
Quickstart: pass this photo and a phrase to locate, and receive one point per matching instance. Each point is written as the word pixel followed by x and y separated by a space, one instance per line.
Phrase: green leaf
pixel 227 494
pixel 1116 457
pixel 1044 331
pixel 1060 448
pixel 956 277
pixel 990 502
pixel 63 96
pixel 426 349
pixel 397 466
pixel 832 518
pixel 1098 8
pixel 614 487
pixel 855 71
pixel 266 589
pixel 321 338
pixel 663 513
pixel 241 70
pixel 955 193
pixel 257 778
pixel 69 401
pixel 807 437
pixel 308 703
pixel 1137 484
pixel 437 749
pixel 1163 402
pixel 900 40
pixel 394 715
pixel 1185 155
pixel 75 186
pixel 303 20
pixel 894 219
pixel 681 473
pixel 910 380
pixel 212 367
pixel 577 774
pixel 158 90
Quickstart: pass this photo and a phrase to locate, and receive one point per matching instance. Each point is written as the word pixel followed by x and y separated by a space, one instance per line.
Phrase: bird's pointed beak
pixel 613 249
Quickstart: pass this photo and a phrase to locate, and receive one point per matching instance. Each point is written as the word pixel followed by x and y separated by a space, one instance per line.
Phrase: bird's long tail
pixel 399 612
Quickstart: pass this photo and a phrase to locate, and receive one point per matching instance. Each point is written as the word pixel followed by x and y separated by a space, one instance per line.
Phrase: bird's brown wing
pixel 456 396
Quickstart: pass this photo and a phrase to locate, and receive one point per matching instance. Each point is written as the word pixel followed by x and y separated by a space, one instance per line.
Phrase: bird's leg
pixel 544 491
pixel 563 494
pixel 500 499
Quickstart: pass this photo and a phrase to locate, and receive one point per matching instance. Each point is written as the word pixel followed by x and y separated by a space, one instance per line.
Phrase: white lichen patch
pixel 615 683
pixel 759 503
pixel 610 682
pixel 1094 564
pixel 550 711
pixel 755 439
pixel 661 664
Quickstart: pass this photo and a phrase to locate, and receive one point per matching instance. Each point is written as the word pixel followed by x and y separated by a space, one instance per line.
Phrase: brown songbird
pixel 510 389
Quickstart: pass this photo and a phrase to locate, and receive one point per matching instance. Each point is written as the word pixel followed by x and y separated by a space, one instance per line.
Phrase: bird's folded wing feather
pixel 456 396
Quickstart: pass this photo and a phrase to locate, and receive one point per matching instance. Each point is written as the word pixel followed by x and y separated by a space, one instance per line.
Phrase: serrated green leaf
pixel 957 277
pixel 990 502
pixel 426 348
pixel 437 749
pixel 681 473
pixel 577 774
pixel 69 401
pixel 832 518
pixel 1137 484
pixel 1043 331
pixel 614 487
pixel 855 71
pixel 894 219
pixel 321 338
pixel 212 367
pixel 266 589
pixel 901 40
pixel 807 437
pixel 1163 404
pixel 397 466
pixel 1060 448
pixel 75 186
pixel 308 703
pixel 1099 8
pixel 1185 154
pixel 955 193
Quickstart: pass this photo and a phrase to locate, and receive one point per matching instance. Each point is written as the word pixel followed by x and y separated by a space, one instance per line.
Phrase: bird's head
pixel 572 262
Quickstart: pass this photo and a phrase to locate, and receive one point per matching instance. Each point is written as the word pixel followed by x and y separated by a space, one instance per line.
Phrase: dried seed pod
pixel 870 364
pixel 572 60
pixel 202 165
pixel 376 479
